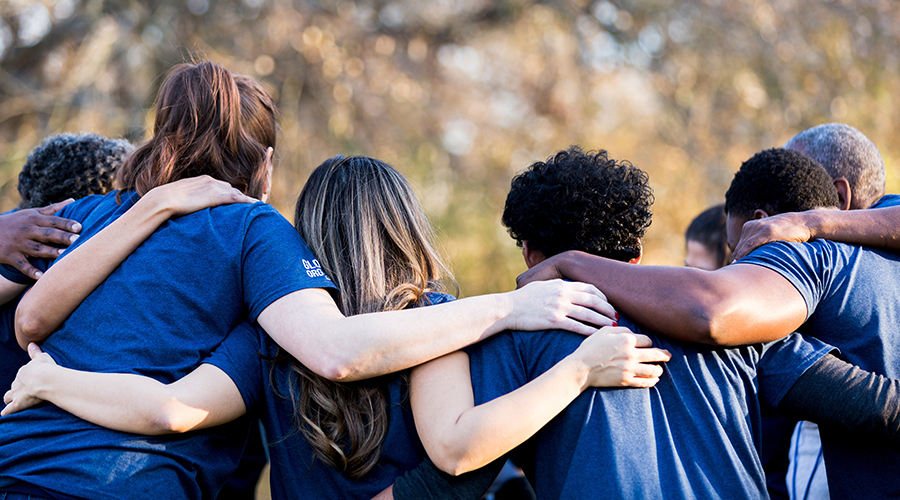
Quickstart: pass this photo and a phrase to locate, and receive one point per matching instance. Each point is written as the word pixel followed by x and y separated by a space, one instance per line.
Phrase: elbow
pixel 338 369
pixel 160 424
pixel 709 324
pixel 170 418
pixel 452 457
pixel 449 464
pixel 30 328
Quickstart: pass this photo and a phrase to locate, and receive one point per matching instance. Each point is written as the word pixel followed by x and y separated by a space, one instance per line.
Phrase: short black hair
pixel 778 181
pixel 580 201
pixel 708 229
pixel 70 166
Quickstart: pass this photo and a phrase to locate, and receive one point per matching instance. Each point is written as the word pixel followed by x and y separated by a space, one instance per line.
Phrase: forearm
pixel 70 280
pixel 719 307
pixel 123 402
pixel 834 392
pixel 368 345
pixel 875 227
pixel 488 431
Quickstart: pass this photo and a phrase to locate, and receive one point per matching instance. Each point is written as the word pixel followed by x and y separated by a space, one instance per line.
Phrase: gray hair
pixel 845 152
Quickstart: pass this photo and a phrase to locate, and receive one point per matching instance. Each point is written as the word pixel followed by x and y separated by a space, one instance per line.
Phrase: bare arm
pixel 125 402
pixel 309 326
pixel 65 285
pixel 460 437
pixel 875 228
pixel 736 305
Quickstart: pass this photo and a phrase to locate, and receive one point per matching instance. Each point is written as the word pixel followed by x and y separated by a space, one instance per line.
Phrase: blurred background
pixel 460 95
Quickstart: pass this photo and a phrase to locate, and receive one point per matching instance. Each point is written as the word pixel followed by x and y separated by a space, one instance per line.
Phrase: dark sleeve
pixel 834 392
pixel 427 482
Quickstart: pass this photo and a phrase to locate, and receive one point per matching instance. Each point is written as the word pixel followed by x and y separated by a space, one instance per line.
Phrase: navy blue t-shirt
pixel 693 435
pixel 295 470
pixel 12 357
pixel 161 314
pixel 853 302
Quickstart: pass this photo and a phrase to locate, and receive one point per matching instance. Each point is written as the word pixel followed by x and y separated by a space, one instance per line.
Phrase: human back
pixel 167 307
pixel 372 238
pixel 693 434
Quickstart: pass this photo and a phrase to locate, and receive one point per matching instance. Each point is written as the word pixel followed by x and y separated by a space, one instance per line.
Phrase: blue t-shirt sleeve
pixel 886 201
pixel 238 356
pixel 275 261
pixel 784 361
pixel 805 265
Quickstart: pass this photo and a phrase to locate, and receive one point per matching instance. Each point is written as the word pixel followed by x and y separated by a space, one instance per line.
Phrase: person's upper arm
pixel 225 386
pixel 208 390
pixel 440 390
pixel 752 304
pixel 806 266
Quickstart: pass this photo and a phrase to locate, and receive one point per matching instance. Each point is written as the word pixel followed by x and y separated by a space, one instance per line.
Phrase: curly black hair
pixel 580 201
pixel 70 166
pixel 778 181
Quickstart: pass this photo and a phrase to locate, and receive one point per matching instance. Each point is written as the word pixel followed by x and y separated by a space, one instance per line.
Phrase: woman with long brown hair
pixel 169 302
pixel 326 438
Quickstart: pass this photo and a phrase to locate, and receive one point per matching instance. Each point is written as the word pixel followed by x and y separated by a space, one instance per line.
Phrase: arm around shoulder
pixel 126 402
pixel 735 305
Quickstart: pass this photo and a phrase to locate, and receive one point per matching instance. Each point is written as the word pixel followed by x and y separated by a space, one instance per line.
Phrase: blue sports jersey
pixel 853 303
pixel 693 435
pixel 161 313
pixel 295 470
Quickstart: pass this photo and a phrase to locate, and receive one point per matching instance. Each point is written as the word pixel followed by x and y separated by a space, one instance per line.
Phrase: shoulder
pixel 249 212
pixel 81 208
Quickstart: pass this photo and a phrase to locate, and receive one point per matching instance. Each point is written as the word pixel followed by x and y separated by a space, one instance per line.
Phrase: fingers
pixel 42 251
pixel 744 247
pixel 574 326
pixel 20 262
pixel 590 304
pixel 651 355
pixel 56 207
pixel 34 350
pixel 641 382
pixel 56 229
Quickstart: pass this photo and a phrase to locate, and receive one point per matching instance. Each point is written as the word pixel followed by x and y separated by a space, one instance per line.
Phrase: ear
pixel 760 214
pixel 532 257
pixel 637 260
pixel 845 195
pixel 267 186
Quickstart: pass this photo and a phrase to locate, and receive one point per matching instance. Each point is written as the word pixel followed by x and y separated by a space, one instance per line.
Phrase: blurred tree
pixel 461 94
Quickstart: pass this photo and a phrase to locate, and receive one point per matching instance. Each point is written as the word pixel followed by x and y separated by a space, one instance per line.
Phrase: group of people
pixel 184 310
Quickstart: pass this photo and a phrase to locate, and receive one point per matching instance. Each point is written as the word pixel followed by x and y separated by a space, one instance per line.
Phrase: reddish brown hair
pixel 199 130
